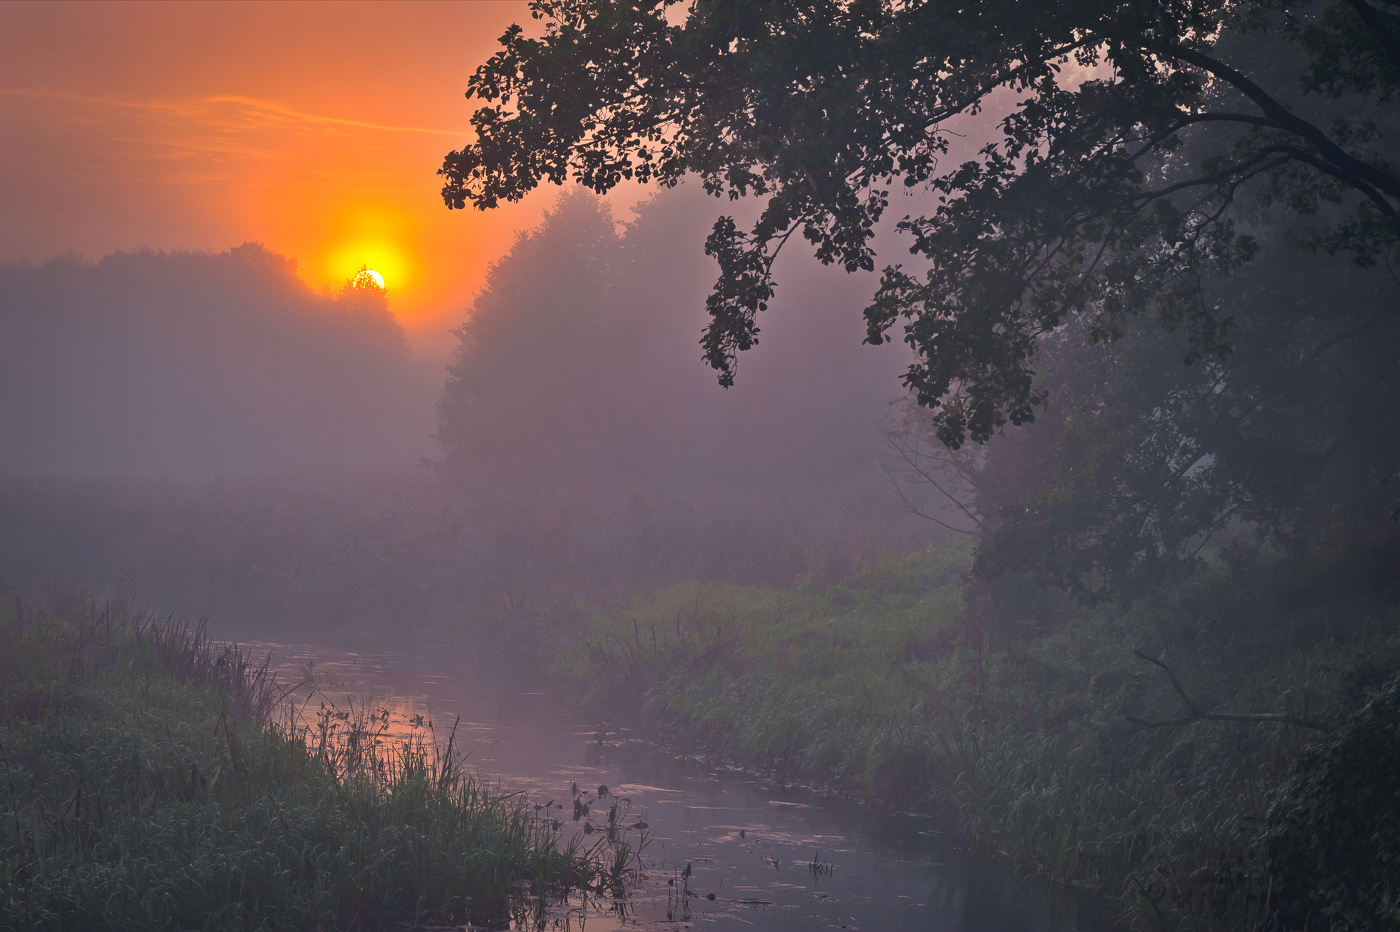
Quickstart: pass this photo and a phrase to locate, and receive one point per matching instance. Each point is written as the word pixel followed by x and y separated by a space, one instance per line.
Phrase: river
pixel 762 856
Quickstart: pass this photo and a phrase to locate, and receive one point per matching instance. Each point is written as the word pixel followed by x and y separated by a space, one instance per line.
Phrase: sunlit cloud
pixel 268 107
pixel 253 113
pixel 202 127
pixel 205 131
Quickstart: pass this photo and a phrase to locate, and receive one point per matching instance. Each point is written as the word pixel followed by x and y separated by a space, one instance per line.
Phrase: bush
pixel 1334 833
pixel 147 785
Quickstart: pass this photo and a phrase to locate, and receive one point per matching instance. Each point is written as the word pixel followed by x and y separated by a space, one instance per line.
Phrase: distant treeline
pixel 150 363
pixel 579 364
pixel 209 434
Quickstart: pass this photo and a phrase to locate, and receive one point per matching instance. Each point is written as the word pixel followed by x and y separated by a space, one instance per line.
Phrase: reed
pixel 1033 744
pixel 154 779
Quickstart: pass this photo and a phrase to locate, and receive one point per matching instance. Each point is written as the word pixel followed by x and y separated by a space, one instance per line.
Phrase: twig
pixel 1195 713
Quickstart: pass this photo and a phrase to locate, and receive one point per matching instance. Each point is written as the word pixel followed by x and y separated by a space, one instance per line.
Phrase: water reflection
pixel 722 850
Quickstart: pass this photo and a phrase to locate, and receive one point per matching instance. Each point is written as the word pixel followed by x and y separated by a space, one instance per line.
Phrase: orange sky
pixel 314 128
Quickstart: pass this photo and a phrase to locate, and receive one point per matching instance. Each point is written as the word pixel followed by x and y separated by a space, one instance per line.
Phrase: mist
pixel 209 435
pixel 579 364
pixel 191 365
pixel 877 465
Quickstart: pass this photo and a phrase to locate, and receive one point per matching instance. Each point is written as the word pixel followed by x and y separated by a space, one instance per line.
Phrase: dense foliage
pixel 1107 198
pixel 1332 835
pixel 572 377
pixel 150 781
pixel 1032 741
pixel 1077 170
pixel 1139 466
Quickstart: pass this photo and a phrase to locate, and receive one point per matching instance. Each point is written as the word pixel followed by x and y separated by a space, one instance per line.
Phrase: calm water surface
pixel 750 844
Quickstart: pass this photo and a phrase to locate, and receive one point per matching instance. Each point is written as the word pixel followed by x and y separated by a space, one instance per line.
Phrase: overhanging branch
pixel 1194 713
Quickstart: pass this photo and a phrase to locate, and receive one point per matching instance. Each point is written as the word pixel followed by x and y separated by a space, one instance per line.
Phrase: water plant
pixel 152 778
pixel 1060 744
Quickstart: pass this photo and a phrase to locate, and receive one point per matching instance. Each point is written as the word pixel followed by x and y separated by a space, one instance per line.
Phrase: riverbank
pixel 1061 745
pixel 153 779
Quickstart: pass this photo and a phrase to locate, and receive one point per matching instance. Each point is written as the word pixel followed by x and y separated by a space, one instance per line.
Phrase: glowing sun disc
pixel 378 279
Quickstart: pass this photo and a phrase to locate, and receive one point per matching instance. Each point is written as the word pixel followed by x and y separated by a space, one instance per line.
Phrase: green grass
pixel 885 687
pixel 151 781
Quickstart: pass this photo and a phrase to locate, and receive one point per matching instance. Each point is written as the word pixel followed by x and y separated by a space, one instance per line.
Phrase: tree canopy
pixel 1132 133
pixel 1139 463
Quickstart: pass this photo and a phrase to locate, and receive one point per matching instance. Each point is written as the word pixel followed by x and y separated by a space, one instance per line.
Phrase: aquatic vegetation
pixel 1038 743
pixel 155 779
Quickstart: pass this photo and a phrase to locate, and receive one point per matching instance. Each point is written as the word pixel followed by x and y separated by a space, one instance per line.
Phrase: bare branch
pixel 1195 713
pixel 920 513
pixel 912 459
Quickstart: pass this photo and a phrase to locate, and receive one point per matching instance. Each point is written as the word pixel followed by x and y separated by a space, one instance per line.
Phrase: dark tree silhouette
pixel 1100 200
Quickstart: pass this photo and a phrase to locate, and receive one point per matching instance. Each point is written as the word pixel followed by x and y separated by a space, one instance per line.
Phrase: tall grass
pixel 153 779
pixel 887 687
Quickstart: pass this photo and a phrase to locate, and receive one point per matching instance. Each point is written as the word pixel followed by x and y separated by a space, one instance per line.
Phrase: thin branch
pixel 1215 528
pixel 1190 119
pixel 913 460
pixel 1240 172
pixel 782 241
pixel 950 110
pixel 920 513
pixel 1390 268
pixel 1328 168
pixel 1195 713
pixel 1189 464
pixel 1343 337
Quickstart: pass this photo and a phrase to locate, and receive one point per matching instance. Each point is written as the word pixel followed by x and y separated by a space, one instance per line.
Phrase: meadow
pixel 1170 757
pixel 1202 759
pixel 341 556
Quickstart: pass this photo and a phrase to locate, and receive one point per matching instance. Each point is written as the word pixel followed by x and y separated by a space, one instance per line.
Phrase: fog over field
pixel 938 463
pixel 583 366
pixel 198 387
pixel 193 366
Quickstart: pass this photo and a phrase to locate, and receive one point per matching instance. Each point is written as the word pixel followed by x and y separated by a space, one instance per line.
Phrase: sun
pixel 366 279
pixel 371 239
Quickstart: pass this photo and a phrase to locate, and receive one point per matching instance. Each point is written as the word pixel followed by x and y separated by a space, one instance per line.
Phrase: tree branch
pixel 1195 713
pixel 912 459
pixel 1342 337
pixel 1284 119
pixel 1389 44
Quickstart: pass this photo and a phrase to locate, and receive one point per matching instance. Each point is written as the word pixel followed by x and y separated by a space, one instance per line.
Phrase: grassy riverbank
pixel 889 687
pixel 150 781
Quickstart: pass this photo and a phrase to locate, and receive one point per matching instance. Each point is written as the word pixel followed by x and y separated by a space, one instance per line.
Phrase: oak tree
pixel 1096 201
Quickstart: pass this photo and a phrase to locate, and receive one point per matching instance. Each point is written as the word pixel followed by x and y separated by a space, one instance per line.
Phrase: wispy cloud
pixel 297 115
pixel 257 113
pixel 222 139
